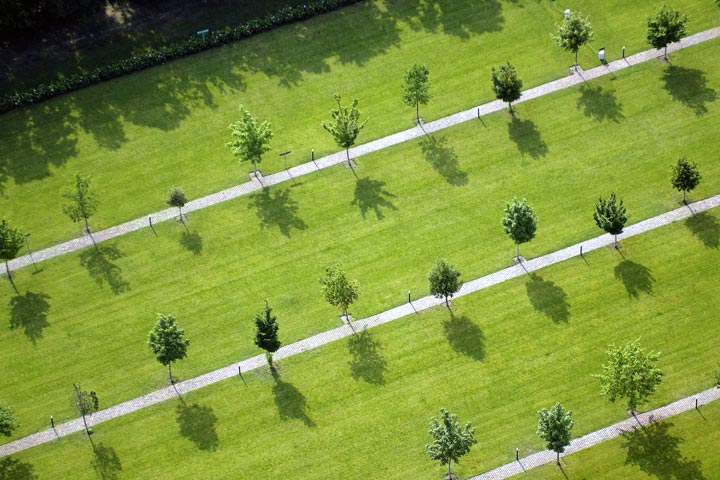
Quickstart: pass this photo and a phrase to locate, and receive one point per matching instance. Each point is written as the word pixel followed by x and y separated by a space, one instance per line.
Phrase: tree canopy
pixel 444 279
pixel 167 341
pixel 506 84
pixel 554 427
pixel 266 333
pixel 337 289
pixel 8 422
pixel 345 126
pixel 685 177
pixel 11 241
pixel 667 26
pixel 520 222
pixel 574 32
pixel 82 201
pixel 251 139
pixel 610 215
pixel 416 87
pixel 450 440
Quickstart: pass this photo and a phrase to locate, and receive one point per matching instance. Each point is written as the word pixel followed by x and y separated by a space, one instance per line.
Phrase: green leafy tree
pixel 574 32
pixel 630 373
pixel 610 215
pixel 450 440
pixel 667 26
pixel 520 223
pixel 266 334
pixel 685 177
pixel 345 126
pixel 416 86
pixel 176 198
pixel 82 201
pixel 8 422
pixel 167 342
pixel 506 84
pixel 338 290
pixel 11 241
pixel 85 403
pixel 444 279
pixel 554 427
pixel 250 138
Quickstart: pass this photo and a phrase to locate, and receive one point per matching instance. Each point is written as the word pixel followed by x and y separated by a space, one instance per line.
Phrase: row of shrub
pixel 193 44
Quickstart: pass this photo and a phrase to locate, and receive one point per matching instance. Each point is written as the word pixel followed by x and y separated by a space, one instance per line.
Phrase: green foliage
pixel 630 373
pixel 85 403
pixel 266 334
pixel 554 427
pixel 83 201
pixel 685 176
pixel 8 422
pixel 176 198
pixel 444 279
pixel 416 87
pixel 610 215
pixel 251 140
pixel 337 289
pixel 574 32
pixel 167 341
pixel 450 440
pixel 11 241
pixel 520 222
pixel 506 84
pixel 345 126
pixel 667 26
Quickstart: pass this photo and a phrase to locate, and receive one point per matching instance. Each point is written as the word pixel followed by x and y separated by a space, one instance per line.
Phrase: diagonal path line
pixel 367 148
pixel 343 331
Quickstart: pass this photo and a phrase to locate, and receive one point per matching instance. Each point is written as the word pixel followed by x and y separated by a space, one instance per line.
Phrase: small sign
pixel 203 32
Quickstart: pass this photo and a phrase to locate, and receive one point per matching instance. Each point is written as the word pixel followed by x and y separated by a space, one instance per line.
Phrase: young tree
pixel 685 177
pixel 506 84
pixel 176 198
pixel 444 279
pixel 338 290
pixel 520 223
pixel 450 441
pixel 8 422
pixel 416 86
pixel 167 341
pixel 630 373
pixel 554 427
pixel 667 26
pixel 266 334
pixel 574 32
pixel 11 241
pixel 85 403
pixel 345 126
pixel 83 201
pixel 251 140
pixel 610 216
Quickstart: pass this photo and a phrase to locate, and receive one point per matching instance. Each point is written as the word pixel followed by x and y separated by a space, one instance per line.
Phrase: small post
pixel 52 421
pixel 312 153
pixel 623 51
pixel 239 370
pixel 696 403
pixel 581 254
pixel 517 454
pixel 478 113
pixel 409 299
pixel 150 221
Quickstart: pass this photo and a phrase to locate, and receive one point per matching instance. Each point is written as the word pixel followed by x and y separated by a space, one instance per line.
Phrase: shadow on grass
pixel 548 298
pixel 277 210
pixel 106 462
pixel 29 312
pixel 636 278
pixel 460 18
pixel 98 262
pixel 368 362
pixel 11 469
pixel 192 242
pixel 689 86
pixel 527 138
pixel 465 337
pixel 197 424
pixel 290 402
pixel 656 452
pixel 599 104
pixel 706 227
pixel 370 195
pixel 444 160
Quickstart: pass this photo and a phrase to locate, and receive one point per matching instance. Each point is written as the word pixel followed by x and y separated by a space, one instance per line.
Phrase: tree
pixel 444 280
pixel 574 32
pixel 416 84
pixel 8 422
pixel 85 403
pixel 610 216
pixel 520 223
pixel 83 201
pixel 685 177
pixel 338 290
pixel 554 427
pixel 630 373
pixel 450 441
pixel 345 126
pixel 251 140
pixel 667 26
pixel 167 342
pixel 506 84
pixel 176 198
pixel 266 335
pixel 11 241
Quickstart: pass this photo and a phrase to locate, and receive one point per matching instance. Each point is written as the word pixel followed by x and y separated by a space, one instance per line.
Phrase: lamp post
pixel 27 244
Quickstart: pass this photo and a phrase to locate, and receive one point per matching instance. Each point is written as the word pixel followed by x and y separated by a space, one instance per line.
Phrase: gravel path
pixel 336 158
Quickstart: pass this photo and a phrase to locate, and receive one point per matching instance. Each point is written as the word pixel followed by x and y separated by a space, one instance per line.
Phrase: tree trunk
pixel 576 61
pixel 347 153
pixel 449 472
pixel 180 212
pixel 517 251
pixel 87 226
pixel 12 282
pixel 255 169
pixel 447 302
pixel 616 242
pixel 684 197
pixel 86 425
pixel 666 52
pixel 558 458
pixel 417 111
pixel 170 372
pixel 269 358
pixel 510 106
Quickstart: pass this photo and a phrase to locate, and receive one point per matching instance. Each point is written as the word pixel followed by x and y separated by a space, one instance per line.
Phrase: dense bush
pixel 193 44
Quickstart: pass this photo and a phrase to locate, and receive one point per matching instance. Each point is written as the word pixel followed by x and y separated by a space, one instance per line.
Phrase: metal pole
pixel 409 300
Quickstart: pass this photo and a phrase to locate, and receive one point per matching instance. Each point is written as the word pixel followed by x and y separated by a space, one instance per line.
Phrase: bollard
pixel 517 454
pixel 623 51
pixel 52 421
pixel 409 300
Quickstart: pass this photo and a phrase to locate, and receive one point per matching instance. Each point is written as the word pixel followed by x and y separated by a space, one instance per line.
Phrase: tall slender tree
pixel 610 215
pixel 554 427
pixel 520 223
pixel 167 342
pixel 338 290
pixel 450 440
pixel 11 241
pixel 667 26
pixel 416 87
pixel 506 84
pixel 85 403
pixel 82 201
pixel 574 32
pixel 685 177
pixel 250 138
pixel 345 126
pixel 444 279
pixel 266 334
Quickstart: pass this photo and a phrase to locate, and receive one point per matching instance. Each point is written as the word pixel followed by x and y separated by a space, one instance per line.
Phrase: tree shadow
pixel 98 262
pixel 30 311
pixel 452 17
pixel 106 462
pixel 277 210
pixel 600 104
pixel 444 160
pixel 368 362
pixel 370 195
pixel 656 452
pixel 11 469
pixel 636 278
pixel 706 227
pixel 548 298
pixel 465 337
pixel 192 242
pixel 527 138
pixel 197 424
pixel 290 402
pixel 689 86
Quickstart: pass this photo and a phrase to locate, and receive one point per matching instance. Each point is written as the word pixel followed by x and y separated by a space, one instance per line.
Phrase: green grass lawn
pixel 359 408
pixel 141 135
pixel 85 316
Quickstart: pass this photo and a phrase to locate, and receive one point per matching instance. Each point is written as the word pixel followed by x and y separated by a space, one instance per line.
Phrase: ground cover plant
pixel 360 407
pixel 274 244
pixel 140 135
